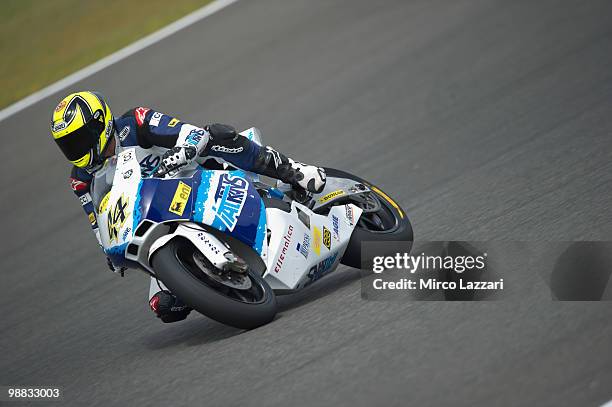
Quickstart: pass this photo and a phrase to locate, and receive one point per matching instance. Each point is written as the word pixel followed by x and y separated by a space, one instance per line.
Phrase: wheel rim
pixel 377 216
pixel 256 294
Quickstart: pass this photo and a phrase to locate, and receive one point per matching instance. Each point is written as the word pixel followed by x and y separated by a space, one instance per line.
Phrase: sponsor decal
pixel 275 156
pixel 85 199
pixel 59 126
pixel 126 156
pixel 117 217
pixel 319 270
pixel 149 164
pixel 109 128
pixel 327 238
pixel 304 247
pixel 350 215
pixel 126 232
pixel 60 106
pixel 104 203
pixel 316 243
pixel 124 133
pixel 181 196
pixel 92 218
pixel 155 119
pixel 223 149
pixel 208 243
pixel 140 114
pixel 286 243
pixel 127 174
pixel 173 122
pixel 77 185
pixel 331 195
pixel 229 199
pixel 336 227
pixel 195 136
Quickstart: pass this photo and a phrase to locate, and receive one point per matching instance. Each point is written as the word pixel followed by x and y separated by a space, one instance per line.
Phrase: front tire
pixel 392 221
pixel 238 308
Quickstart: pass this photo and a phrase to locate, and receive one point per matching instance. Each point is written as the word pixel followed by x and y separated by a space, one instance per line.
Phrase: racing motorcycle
pixel 226 243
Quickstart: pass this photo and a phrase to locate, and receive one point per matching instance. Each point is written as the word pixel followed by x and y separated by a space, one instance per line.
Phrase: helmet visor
pixel 78 143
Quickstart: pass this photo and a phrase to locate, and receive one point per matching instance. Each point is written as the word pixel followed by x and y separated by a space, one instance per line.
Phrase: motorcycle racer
pixel 87 133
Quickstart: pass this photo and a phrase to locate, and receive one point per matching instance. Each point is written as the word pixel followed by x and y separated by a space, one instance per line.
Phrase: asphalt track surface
pixel 485 119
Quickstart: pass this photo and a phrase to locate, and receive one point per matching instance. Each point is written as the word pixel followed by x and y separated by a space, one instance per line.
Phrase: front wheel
pixel 382 220
pixel 180 267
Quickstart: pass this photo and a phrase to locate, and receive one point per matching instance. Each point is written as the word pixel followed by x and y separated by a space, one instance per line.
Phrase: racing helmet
pixel 82 126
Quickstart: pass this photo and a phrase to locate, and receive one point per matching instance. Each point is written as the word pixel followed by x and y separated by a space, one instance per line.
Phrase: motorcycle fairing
pixel 224 200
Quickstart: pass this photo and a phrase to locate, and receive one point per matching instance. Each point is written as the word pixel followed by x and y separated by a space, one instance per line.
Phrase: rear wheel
pixel 245 302
pixel 381 220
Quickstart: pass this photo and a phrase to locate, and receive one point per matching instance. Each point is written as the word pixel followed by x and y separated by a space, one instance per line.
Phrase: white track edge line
pixel 115 57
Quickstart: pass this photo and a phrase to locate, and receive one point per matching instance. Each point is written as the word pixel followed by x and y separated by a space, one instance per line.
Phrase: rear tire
pixel 400 231
pixel 185 282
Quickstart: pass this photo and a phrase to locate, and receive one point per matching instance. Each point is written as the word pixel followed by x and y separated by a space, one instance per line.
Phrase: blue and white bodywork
pixel 138 214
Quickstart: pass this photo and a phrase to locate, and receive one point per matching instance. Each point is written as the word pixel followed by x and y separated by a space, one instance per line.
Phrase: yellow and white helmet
pixel 82 127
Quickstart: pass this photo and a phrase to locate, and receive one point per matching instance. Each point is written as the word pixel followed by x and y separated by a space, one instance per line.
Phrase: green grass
pixel 42 41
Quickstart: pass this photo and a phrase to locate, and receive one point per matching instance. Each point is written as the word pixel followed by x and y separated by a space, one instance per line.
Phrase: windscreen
pixel 103 181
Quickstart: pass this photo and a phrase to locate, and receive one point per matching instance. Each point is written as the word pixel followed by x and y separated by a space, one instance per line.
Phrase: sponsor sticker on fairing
pixel 104 203
pixel 285 247
pixel 126 156
pixel 181 196
pixel 327 238
pixel 319 270
pixel 350 215
pixel 304 246
pixel 336 227
pixel 230 197
pixel 316 240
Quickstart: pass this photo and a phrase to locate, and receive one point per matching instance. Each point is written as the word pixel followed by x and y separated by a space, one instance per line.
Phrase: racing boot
pixel 276 165
pixel 168 307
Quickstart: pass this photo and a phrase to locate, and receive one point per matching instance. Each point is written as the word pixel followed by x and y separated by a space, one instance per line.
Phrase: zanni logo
pixel 117 217
pixel 230 197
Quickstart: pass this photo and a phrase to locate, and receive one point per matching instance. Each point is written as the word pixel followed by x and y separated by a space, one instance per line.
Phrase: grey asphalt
pixel 484 119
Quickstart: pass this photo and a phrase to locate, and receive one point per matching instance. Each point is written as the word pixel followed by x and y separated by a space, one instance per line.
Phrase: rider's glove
pixel 111 266
pixel 175 158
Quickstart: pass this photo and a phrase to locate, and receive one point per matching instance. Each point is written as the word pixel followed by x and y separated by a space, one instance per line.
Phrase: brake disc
pixel 229 278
